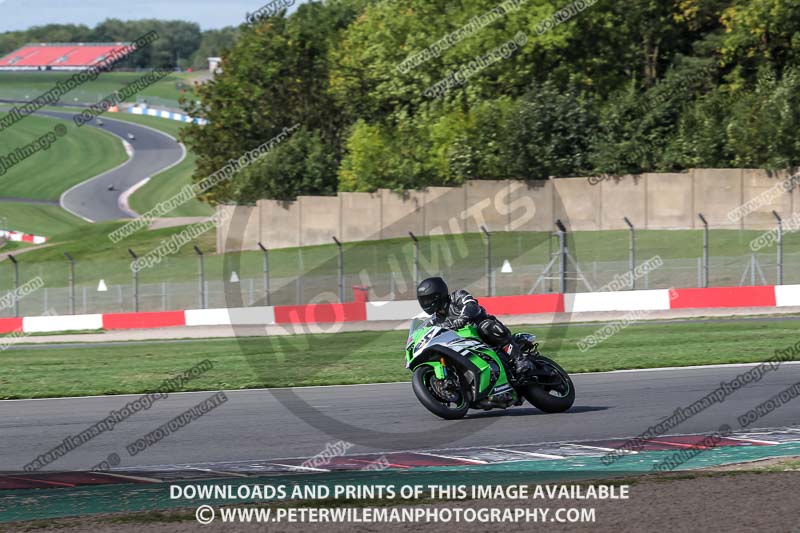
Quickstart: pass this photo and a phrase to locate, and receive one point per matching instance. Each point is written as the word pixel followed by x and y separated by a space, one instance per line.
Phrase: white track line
pixel 747 439
pixel 298 467
pixel 475 461
pixel 596 448
pixel 428 452
pixel 532 454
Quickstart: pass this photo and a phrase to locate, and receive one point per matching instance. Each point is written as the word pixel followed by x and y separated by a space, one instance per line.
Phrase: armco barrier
pixel 144 320
pixel 8 325
pixel 242 316
pixel 724 297
pixel 524 305
pixel 649 300
pixel 787 295
pixel 18 236
pixel 44 324
pixel 321 313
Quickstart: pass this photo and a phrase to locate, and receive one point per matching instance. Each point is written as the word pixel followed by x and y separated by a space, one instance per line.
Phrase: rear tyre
pixel 551 398
pixel 445 398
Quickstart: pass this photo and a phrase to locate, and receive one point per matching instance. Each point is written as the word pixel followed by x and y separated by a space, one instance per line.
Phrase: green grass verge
pixel 47 220
pixel 79 155
pixel 167 184
pixel 360 357
pixel 29 85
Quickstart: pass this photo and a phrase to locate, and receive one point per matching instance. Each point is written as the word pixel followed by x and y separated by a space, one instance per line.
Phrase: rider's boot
pixel 517 359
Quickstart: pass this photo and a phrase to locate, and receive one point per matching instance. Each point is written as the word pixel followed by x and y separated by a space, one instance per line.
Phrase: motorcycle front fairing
pixel 477 362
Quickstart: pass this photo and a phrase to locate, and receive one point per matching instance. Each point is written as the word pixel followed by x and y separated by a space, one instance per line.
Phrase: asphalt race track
pixel 259 425
pixel 153 152
pixel 97 199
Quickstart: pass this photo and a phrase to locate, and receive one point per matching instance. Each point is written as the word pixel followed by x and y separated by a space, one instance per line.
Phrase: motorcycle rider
pixel 456 310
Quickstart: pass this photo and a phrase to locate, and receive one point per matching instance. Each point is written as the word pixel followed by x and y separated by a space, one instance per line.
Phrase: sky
pixel 209 14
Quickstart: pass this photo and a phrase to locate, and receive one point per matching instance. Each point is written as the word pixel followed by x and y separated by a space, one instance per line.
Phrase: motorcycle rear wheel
pixel 551 398
pixel 424 384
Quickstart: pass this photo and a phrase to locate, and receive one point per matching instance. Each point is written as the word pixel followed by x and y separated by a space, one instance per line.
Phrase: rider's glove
pixel 457 323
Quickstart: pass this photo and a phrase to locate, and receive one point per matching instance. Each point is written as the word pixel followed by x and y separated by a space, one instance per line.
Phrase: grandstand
pixel 62 56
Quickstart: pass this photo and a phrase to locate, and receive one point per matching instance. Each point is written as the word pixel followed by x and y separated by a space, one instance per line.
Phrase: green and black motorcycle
pixel 455 371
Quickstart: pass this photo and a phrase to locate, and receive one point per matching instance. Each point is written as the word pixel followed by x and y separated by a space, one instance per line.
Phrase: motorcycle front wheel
pixel 446 398
pixel 554 397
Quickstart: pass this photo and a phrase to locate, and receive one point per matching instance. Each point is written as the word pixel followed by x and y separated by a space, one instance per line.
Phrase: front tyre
pixel 446 398
pixel 555 395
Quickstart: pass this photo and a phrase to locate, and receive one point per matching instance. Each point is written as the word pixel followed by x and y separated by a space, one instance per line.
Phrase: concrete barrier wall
pixel 650 201
pixel 630 194
pixel 279 222
pixel 756 183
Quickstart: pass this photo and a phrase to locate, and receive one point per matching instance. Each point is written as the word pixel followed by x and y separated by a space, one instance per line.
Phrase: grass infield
pixel 361 357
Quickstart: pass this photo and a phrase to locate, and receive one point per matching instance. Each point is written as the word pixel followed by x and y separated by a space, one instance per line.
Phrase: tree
pixel 275 76
pixel 549 133
pixel 302 164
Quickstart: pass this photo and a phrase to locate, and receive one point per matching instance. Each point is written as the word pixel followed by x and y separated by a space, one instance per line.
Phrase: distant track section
pixel 98 199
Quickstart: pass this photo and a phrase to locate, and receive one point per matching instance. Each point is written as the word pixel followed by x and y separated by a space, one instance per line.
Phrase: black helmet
pixel 433 295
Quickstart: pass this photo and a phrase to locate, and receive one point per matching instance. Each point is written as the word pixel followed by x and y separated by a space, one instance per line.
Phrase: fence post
pixel 562 252
pixel 780 246
pixel 489 285
pixel 16 284
pixel 416 259
pixel 135 280
pixel 631 253
pixel 266 271
pixel 71 282
pixel 705 249
pixel 202 272
pixel 341 269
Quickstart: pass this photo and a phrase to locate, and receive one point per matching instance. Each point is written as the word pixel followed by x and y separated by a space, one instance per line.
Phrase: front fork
pixel 443 367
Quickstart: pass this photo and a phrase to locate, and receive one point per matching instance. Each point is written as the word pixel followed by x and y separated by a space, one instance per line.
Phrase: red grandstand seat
pixel 76 55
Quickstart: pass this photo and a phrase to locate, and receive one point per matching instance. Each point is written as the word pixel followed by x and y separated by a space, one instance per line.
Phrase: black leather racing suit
pixel 464 309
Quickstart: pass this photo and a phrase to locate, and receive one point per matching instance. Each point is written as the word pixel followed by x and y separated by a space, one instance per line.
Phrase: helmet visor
pixel 430 303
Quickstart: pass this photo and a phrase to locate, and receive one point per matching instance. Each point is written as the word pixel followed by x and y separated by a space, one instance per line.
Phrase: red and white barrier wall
pixel 649 300
pixel 22 237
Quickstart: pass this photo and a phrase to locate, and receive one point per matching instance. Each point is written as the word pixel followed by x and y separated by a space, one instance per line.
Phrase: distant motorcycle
pixel 454 371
